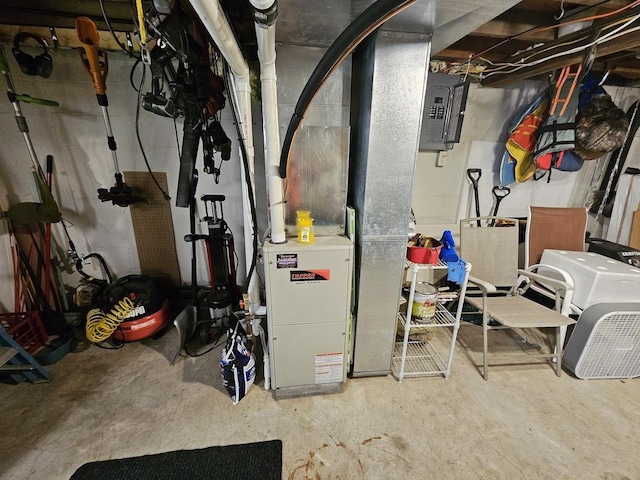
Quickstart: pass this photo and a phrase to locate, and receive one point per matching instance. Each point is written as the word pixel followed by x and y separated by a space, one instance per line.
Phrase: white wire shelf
pixel 414 356
pixel 422 359
pixel 442 318
pixel 440 264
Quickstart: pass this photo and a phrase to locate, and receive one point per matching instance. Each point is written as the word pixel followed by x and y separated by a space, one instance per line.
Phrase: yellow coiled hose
pixel 101 325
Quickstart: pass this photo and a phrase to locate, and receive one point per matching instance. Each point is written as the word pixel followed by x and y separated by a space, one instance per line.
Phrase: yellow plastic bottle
pixel 304 224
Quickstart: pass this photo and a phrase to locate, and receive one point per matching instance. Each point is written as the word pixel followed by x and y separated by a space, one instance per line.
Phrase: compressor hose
pixel 101 325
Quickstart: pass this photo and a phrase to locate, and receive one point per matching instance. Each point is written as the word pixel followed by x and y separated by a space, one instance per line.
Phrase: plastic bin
pixel 427 255
pixel 26 329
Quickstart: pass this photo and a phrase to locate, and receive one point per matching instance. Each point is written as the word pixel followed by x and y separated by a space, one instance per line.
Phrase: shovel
pixel 474 175
pixel 498 193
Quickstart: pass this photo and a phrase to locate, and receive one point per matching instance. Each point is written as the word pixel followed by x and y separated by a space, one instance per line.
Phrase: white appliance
pixel 308 288
pixel 596 278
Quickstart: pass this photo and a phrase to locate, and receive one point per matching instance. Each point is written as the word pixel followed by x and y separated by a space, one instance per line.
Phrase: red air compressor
pixel 151 309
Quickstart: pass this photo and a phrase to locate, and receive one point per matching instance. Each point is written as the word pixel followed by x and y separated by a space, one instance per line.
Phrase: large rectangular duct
pixel 388 84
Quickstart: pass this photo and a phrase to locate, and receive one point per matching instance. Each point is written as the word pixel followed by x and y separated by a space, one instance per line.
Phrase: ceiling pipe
pixel 215 21
pixel 265 13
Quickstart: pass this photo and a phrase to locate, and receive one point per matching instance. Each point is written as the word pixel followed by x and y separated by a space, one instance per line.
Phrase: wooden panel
pixel 67 37
pixel 634 240
pixel 153 228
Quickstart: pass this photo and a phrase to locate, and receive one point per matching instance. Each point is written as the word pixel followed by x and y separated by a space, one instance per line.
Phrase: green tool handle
pixel 38 101
pixel 14 97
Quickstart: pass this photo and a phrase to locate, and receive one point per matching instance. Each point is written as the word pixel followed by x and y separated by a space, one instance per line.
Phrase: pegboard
pixel 153 227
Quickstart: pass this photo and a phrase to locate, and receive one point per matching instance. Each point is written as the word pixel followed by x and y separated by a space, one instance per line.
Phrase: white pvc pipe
pixel 266 39
pixel 242 91
pixel 215 21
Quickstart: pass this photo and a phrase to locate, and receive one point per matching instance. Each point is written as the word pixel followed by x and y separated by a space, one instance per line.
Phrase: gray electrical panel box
pixel 445 101
pixel 308 288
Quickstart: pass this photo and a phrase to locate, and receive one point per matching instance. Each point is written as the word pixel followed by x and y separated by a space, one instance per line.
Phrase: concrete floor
pixel 524 423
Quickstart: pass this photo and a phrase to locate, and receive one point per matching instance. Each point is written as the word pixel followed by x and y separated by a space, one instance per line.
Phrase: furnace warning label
pixel 329 367
pixel 287 260
pixel 309 275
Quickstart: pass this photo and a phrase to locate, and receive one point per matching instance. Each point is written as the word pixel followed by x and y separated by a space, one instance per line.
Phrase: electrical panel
pixel 445 102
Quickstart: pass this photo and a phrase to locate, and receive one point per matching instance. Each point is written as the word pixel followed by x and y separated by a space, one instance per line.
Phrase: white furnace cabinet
pixel 308 288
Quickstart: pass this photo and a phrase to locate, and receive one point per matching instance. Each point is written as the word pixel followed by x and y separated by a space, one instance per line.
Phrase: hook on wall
pixel 54 39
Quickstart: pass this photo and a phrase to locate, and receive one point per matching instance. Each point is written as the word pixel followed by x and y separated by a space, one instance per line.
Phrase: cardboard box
pixel 634 238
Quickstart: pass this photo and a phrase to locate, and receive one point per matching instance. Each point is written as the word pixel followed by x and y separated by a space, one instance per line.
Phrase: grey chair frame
pixel 510 310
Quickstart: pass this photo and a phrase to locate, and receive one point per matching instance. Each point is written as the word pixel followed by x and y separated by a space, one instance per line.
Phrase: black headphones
pixel 40 65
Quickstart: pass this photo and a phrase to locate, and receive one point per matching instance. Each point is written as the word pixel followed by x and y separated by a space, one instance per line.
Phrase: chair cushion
pixel 519 312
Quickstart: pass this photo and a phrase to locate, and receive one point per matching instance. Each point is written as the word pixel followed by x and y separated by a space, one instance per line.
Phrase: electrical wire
pixel 552 27
pixel 113 34
pixel 569 52
pixel 562 12
pixel 247 174
pixel 502 65
pixel 165 195
pixel 131 72
pixel 200 354
pixel 605 38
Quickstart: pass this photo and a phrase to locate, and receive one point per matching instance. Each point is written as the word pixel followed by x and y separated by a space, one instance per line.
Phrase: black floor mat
pixel 251 461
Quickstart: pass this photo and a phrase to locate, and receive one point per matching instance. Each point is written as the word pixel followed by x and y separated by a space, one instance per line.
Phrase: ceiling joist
pixel 551 55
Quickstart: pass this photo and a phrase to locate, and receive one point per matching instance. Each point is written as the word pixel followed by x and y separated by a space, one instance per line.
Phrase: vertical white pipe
pixel 214 20
pixel 265 12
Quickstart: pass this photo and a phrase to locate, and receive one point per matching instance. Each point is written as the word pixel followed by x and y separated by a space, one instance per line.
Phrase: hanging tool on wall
pixel 47 234
pixel 474 175
pixel 46 210
pixel 191 90
pixel 95 62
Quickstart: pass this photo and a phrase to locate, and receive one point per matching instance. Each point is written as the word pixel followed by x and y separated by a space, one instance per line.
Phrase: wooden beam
pixel 568 42
pixel 503 28
pixel 67 37
pixel 62 14
pixel 610 4
pixel 473 45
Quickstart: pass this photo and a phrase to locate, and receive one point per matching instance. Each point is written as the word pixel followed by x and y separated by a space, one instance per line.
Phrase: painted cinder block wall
pixel 74 134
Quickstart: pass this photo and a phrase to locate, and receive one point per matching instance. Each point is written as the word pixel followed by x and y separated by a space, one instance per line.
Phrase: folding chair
pixel 493 252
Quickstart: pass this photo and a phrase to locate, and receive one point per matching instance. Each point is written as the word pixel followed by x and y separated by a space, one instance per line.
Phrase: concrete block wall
pixel 442 194
pixel 74 134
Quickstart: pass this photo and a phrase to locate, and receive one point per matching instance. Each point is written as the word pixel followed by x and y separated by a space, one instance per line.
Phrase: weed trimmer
pixel 95 62
pixel 47 210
